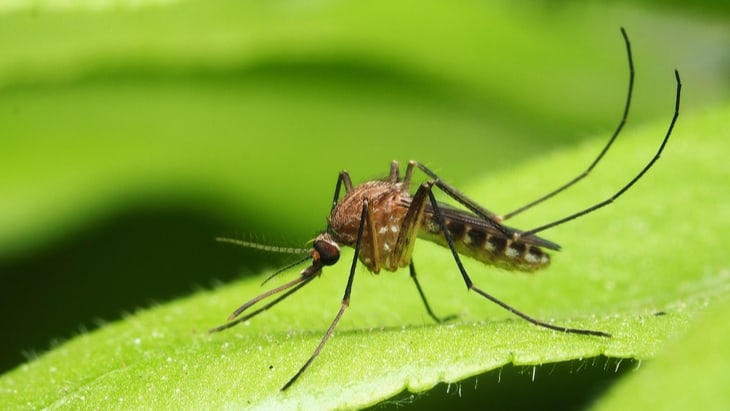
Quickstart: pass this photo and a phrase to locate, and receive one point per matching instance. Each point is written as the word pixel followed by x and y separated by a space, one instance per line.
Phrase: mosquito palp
pixel 381 220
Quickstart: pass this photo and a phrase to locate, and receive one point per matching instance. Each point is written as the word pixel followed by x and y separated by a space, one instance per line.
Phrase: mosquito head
pixel 326 250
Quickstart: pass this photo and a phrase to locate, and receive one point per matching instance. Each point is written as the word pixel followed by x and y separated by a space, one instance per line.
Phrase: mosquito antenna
pixel 270 248
pixel 608 145
pixel 262 247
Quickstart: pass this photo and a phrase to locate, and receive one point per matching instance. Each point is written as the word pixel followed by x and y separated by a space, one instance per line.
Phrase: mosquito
pixel 381 220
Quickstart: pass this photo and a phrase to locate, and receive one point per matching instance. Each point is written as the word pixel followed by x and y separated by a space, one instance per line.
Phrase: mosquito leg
pixel 409 174
pixel 394 175
pixel 615 134
pixel 436 318
pixel 488 216
pixel 345 298
pixel 314 355
pixel 470 285
pixel 633 180
pixel 374 243
pixel 408 232
pixel 342 178
pixel 458 195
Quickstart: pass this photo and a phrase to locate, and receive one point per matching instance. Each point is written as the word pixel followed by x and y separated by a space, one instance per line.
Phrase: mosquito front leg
pixel 470 284
pixel 345 298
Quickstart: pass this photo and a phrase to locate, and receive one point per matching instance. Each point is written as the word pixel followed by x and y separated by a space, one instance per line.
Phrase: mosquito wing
pixel 486 240
pixel 488 226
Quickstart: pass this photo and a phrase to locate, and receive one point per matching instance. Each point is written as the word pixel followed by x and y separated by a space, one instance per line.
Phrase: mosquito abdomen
pixel 489 248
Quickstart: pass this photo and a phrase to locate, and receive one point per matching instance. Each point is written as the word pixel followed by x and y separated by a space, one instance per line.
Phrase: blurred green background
pixel 133 133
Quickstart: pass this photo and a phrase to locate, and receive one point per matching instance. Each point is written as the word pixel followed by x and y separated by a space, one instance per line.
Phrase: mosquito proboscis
pixel 381 220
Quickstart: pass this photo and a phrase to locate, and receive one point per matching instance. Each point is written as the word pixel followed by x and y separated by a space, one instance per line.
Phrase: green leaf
pixel 691 367
pixel 621 266
pixel 247 110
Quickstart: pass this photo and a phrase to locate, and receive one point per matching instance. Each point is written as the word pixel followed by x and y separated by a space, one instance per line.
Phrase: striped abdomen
pixel 474 238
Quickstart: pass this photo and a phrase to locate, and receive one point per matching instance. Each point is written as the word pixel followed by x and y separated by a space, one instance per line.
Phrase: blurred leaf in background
pixel 133 133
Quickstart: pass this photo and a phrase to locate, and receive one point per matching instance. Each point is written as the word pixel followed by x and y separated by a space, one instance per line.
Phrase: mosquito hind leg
pixel 631 182
pixel 436 318
pixel 603 151
pixel 488 216
pixel 472 287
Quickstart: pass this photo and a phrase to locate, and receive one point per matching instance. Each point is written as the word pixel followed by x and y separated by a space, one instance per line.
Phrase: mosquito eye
pixel 329 253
